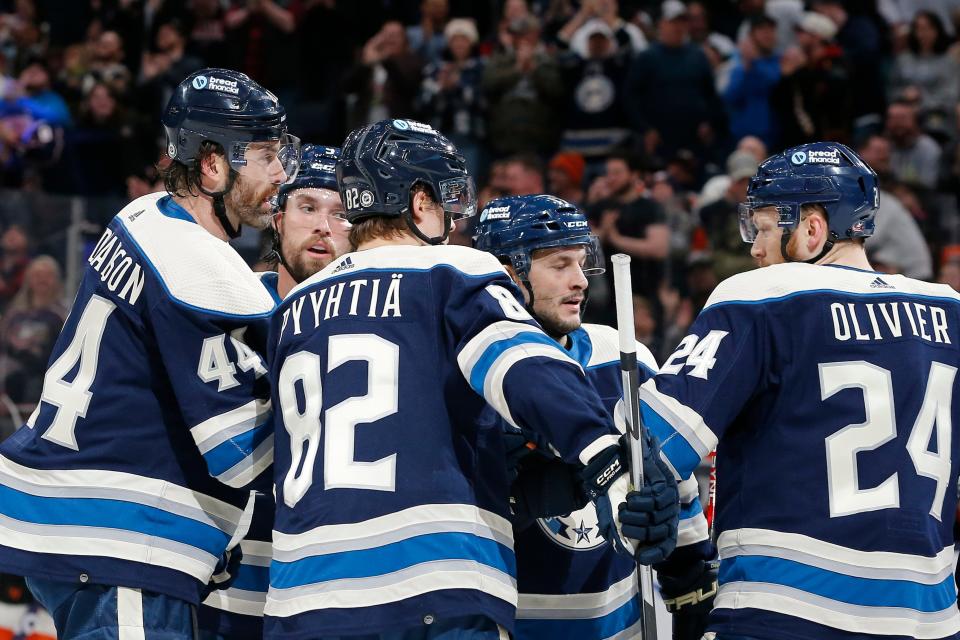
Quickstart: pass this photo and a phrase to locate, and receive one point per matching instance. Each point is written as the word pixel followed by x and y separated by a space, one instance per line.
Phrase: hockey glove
pixel 660 501
pixel 606 482
pixel 225 571
pixel 689 589
pixel 545 487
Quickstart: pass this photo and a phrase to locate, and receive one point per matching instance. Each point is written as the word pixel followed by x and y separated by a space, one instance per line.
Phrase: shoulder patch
pixel 194 267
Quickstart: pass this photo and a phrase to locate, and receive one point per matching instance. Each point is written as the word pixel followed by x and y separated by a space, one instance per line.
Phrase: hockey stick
pixel 623 293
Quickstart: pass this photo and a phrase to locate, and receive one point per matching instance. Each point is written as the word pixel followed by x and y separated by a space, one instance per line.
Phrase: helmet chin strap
pixel 220 209
pixel 415 230
pixel 827 246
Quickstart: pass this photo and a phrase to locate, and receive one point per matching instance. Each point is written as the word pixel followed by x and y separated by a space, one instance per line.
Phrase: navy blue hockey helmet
pixel 826 173
pixel 318 170
pixel 382 162
pixel 226 107
pixel 514 228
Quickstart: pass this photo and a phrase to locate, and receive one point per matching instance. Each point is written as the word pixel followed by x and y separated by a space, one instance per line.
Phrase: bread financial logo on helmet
pixel 200 83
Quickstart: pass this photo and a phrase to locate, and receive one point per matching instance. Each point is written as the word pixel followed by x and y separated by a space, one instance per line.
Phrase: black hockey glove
pixel 642 523
pixel 688 592
pixel 225 572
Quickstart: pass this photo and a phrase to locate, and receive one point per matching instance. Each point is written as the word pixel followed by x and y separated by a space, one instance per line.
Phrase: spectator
pixel 716 187
pixel 14 256
pixel 565 177
pixel 259 38
pixel 385 82
pixel 718 48
pixel 721 221
pixel 428 39
pixel 755 73
pixel 593 73
pixel 30 329
pixel 523 175
pixel 208 33
pixel 669 93
pixel 627 38
pixel 925 72
pixel 107 143
pixel 36 97
pixel 629 222
pixel 450 96
pixel 106 64
pixel 645 323
pixel 523 87
pixel 862 35
pixel 915 156
pixel 813 96
pixel 164 68
pixel 950 267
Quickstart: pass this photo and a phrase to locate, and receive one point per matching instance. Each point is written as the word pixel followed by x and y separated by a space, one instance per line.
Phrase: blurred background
pixel 650 115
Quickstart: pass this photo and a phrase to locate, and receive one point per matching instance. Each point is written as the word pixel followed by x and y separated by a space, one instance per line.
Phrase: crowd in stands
pixel 651 115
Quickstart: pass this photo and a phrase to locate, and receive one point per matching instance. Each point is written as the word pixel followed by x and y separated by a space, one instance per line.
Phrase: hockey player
pixel 392 502
pixel 309 231
pixel 116 497
pixel 830 390
pixel 571 581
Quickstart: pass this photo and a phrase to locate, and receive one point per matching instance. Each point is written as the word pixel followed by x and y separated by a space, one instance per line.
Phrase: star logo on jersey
pixel 577 531
pixel 583 532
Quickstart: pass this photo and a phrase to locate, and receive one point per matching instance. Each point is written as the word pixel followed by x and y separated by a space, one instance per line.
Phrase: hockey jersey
pixel 392 508
pixel 572 583
pixel 155 400
pixel 830 391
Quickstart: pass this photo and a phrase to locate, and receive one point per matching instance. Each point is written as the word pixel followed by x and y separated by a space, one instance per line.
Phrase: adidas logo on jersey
pixel 343 266
pixel 878 283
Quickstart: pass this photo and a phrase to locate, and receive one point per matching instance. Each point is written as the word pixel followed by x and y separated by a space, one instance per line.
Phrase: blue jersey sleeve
pixel 520 371
pixel 704 384
pixel 218 380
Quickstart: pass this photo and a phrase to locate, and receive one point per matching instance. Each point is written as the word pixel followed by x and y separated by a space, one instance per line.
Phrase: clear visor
pixel 593 261
pixel 270 161
pixel 458 196
pixel 757 219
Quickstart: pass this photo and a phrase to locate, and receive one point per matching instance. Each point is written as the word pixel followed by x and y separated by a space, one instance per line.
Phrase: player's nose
pixel 756 251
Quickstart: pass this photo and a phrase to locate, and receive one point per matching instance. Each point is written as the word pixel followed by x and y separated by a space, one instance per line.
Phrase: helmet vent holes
pixel 384 174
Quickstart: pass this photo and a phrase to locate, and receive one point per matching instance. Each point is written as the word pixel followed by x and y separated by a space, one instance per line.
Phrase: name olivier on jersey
pixel 116 267
pixel 367 297
pixel 869 321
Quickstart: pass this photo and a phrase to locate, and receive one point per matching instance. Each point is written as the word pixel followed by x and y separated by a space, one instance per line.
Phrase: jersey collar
pixel 168 207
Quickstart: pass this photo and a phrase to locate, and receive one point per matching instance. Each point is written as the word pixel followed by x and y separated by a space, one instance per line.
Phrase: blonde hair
pixel 23 300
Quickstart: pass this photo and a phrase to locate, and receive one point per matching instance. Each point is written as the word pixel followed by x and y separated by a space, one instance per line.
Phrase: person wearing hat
pixel 719 218
pixel 814 97
pixel 451 95
pixel 755 72
pixel 669 90
pixel 565 176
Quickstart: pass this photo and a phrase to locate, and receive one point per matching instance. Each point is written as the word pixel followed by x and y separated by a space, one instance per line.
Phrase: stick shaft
pixel 623 294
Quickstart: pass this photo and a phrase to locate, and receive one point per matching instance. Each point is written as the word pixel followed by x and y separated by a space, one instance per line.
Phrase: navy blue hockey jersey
pixel 572 583
pixel 830 391
pixel 154 401
pixel 391 497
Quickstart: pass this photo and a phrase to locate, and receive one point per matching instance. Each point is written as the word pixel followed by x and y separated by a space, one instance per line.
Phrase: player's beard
pixel 555 325
pixel 246 201
pixel 300 263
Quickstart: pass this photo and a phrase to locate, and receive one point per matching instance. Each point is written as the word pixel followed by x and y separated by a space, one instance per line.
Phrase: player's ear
pixel 213 168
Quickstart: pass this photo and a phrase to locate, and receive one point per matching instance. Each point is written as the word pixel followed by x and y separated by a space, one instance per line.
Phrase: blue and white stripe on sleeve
pixel 693 524
pixel 489 355
pixel 237 445
pixel 685 439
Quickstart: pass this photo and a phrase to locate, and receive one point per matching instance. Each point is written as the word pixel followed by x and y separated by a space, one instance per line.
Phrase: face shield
pixel 758 218
pixel 458 197
pixel 268 161
pixel 593 262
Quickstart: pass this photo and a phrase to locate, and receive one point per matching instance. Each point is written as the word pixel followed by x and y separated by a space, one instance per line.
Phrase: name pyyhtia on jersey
pixel 394 513
pixel 572 583
pixel 154 401
pixel 832 390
